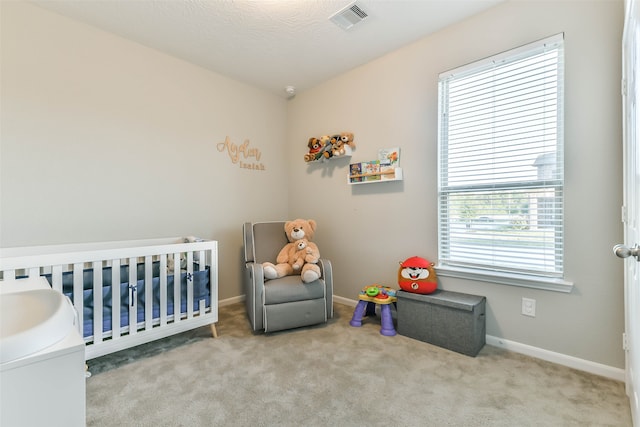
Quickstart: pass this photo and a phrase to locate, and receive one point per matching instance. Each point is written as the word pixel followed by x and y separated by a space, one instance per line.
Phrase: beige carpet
pixel 338 375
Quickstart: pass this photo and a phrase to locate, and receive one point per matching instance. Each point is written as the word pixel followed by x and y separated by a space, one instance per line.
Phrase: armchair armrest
pixel 253 286
pixel 326 271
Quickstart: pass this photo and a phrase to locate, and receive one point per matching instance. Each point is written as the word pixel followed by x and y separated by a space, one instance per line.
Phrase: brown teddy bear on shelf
pixel 315 150
pixel 309 271
pixel 318 149
pixel 347 139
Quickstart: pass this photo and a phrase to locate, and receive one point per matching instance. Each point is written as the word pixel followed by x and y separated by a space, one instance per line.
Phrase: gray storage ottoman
pixel 452 320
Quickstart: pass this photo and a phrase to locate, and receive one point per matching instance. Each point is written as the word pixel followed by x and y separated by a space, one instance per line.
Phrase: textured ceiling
pixel 269 44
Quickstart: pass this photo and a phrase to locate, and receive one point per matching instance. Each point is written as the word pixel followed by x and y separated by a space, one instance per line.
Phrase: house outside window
pixel 500 162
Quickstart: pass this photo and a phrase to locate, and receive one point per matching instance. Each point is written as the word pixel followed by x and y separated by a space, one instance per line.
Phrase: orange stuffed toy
pixel 417 275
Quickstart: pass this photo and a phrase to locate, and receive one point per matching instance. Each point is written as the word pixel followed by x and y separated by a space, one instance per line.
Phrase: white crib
pixel 139 291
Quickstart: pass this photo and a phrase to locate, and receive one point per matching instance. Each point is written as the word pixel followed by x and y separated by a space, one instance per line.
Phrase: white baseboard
pixel 345 301
pixel 539 353
pixel 230 301
pixel 559 358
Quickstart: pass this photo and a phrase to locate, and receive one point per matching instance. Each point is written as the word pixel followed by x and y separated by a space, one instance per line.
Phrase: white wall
pixel 104 139
pixel 365 230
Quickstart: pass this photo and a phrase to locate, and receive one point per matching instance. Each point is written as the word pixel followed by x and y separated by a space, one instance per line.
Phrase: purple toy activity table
pixel 368 298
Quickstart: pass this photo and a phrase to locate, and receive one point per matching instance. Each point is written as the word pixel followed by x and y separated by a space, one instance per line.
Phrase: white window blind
pixel 501 162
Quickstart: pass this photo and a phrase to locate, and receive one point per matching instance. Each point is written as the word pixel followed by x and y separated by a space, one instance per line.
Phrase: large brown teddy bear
pixel 310 271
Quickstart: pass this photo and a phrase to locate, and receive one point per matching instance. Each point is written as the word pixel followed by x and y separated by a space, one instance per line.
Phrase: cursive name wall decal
pixel 243 155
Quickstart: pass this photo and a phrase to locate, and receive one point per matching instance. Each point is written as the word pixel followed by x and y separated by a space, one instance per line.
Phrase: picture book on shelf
pixel 355 169
pixel 390 156
pixel 371 170
pixel 387 171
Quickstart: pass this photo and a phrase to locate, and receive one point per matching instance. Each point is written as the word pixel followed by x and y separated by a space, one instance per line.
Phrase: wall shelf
pixel 394 174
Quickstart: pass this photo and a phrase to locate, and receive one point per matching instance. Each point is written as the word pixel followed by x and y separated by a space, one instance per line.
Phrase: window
pixel 500 163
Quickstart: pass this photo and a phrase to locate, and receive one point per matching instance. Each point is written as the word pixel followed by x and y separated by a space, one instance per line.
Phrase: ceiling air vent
pixel 349 16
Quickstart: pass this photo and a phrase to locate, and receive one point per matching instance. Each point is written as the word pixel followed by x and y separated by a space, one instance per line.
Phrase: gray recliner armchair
pixel 287 302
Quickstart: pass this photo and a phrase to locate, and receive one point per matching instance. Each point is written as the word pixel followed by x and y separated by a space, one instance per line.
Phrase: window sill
pixel 547 284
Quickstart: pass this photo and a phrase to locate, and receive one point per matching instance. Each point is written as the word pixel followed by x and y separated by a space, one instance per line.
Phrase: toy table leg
pixel 371 309
pixel 387 328
pixel 356 320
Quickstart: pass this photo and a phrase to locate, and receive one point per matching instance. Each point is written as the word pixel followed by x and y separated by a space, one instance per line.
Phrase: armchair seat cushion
pixel 290 289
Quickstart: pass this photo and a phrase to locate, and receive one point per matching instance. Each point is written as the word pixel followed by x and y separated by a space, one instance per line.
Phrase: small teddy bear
pixel 303 253
pixel 319 149
pixel 315 150
pixel 347 139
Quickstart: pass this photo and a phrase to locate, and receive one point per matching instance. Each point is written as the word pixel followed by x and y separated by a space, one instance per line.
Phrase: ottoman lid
pixel 451 299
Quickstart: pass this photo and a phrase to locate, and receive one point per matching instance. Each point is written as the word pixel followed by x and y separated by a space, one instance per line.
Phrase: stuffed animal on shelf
pixel 318 149
pixel 347 139
pixel 315 150
pixel 296 230
pixel 417 275
pixel 325 141
pixel 327 147
pixel 337 146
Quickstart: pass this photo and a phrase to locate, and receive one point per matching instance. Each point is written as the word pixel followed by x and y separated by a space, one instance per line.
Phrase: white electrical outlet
pixel 529 307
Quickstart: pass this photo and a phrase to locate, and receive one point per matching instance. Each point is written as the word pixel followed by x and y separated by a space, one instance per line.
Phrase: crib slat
pixel 213 279
pixel 56 277
pixel 202 265
pixel 9 275
pixel 97 301
pixel 163 289
pixel 78 295
pixel 148 292
pixel 201 261
pixel 189 285
pixel 176 287
pixel 133 296
pixel 34 272
pixel 115 299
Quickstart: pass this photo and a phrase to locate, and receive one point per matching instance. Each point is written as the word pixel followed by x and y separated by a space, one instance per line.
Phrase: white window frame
pixel 451 261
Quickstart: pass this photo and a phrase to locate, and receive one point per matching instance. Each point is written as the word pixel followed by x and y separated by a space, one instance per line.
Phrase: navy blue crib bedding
pixel 201 291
